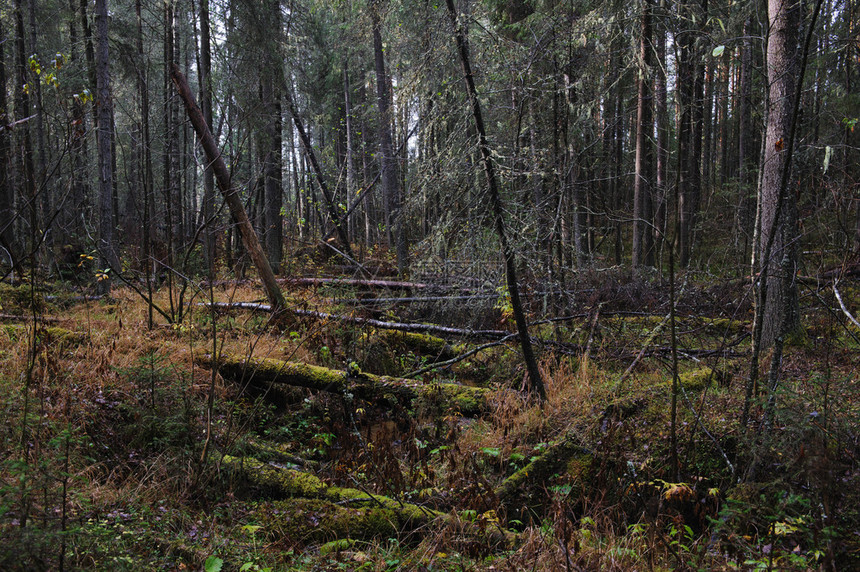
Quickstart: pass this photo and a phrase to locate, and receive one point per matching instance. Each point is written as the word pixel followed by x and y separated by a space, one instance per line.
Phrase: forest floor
pixel 122 449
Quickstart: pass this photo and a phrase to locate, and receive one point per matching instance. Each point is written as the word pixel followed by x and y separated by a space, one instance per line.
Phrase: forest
pixel 419 285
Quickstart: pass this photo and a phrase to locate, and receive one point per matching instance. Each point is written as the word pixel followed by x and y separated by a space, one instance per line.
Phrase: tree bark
pixel 205 79
pixel 777 245
pixel 44 185
pixel 662 119
pixel 27 180
pixel 391 191
pixel 535 379
pixel 7 236
pixel 746 144
pixel 231 195
pixel 642 204
pixel 104 138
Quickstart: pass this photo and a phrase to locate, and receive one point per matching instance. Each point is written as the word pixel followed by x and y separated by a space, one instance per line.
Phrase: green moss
pixel 701 378
pixel 64 337
pixel 391 352
pixel 337 546
pixel 18 298
pixel 467 400
pixel 726 325
pixel 282 481
pixel 59 338
pixel 564 453
pixel 470 400
pixel 307 521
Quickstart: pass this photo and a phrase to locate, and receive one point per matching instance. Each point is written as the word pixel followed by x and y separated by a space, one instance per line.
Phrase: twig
pixel 842 305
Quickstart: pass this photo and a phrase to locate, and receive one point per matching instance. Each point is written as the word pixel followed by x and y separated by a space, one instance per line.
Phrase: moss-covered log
pixel 381 350
pixel 562 455
pixel 468 400
pixel 317 512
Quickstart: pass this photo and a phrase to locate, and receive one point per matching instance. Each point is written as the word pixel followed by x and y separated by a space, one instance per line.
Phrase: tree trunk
pixel 231 195
pixel 7 210
pixel 690 129
pixel 27 181
pixel 44 185
pixel 74 210
pixel 662 119
pixel 746 144
pixel 205 78
pixel 104 138
pixel 642 205
pixel 391 191
pixel 777 245
pixel 535 379
pixel 260 372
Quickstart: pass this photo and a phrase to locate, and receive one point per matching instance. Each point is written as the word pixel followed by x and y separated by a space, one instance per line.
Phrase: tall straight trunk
pixel 690 127
pixel 104 138
pixel 269 148
pixel 662 120
pixel 7 209
pixel 205 78
pixel 642 205
pixel 145 158
pixel 350 145
pixel 169 149
pixel 391 191
pixel 746 143
pixel 535 379
pixel 176 158
pixel 76 206
pixel 707 123
pixel 27 184
pixel 777 245
pixel 44 185
pixel 270 140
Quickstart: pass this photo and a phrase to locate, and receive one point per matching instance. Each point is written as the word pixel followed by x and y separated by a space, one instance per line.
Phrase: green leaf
pixel 213 564
pixel 718 51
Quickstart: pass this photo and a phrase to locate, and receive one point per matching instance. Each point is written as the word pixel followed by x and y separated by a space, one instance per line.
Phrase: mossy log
pixel 562 455
pixel 316 512
pixel 468 400
pixel 703 377
pixel 381 349
pixel 420 344
pixel 51 336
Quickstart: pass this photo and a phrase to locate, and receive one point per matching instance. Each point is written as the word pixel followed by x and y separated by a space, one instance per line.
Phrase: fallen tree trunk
pixel 563 454
pixel 231 197
pixel 390 284
pixel 337 512
pixel 242 369
pixel 403 327
pixel 28 318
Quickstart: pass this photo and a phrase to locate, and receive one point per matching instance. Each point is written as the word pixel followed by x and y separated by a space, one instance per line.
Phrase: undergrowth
pixel 107 470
